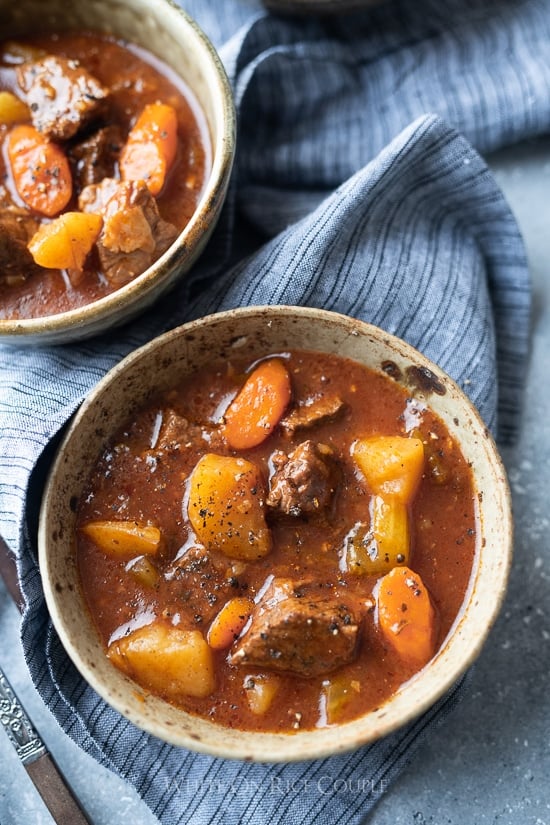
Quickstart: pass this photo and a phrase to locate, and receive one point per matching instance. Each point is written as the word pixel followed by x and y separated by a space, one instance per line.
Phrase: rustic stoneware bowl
pixel 258 331
pixel 168 32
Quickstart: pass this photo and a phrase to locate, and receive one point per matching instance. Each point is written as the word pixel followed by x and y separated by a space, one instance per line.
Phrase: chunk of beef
pixel 134 234
pixel 177 432
pixel 95 157
pixel 96 196
pixel 201 582
pixel 304 481
pixel 315 410
pixel 16 229
pixel 62 95
pixel 303 632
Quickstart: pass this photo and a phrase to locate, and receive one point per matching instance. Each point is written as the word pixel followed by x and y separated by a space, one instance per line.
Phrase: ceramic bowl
pixel 168 32
pixel 254 332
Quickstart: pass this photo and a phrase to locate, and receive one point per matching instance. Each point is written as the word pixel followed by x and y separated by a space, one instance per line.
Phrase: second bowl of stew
pixel 279 524
pixel 117 131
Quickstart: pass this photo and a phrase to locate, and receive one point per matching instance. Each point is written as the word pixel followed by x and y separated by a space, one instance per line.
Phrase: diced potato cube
pixel 226 507
pixel 260 692
pixel 376 549
pixel 143 571
pixel 339 692
pixel 12 109
pixel 355 558
pixel 66 242
pixel 435 451
pixel 123 538
pixel 439 471
pixel 166 659
pixel 392 465
pixel 390 530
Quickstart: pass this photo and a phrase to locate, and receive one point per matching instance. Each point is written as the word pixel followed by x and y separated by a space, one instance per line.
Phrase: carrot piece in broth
pixel 40 170
pixel 258 407
pixel 406 615
pixel 229 622
pixel 151 146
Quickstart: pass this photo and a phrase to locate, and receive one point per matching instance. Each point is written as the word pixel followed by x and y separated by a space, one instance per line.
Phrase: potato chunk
pixel 66 242
pixel 339 691
pixel 392 465
pixel 12 109
pixel 226 507
pixel 385 543
pixel 260 692
pixel 166 659
pixel 143 571
pixel 123 538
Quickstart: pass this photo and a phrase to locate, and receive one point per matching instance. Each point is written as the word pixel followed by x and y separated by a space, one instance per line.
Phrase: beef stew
pixel 291 584
pixel 105 156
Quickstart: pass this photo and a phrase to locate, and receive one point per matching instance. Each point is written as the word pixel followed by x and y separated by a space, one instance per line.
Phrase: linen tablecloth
pixel 358 187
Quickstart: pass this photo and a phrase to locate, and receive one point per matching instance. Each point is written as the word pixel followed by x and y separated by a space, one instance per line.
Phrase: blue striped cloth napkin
pixel 358 187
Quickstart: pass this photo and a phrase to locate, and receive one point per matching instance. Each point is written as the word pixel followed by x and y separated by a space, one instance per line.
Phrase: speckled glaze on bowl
pixel 254 332
pixel 165 30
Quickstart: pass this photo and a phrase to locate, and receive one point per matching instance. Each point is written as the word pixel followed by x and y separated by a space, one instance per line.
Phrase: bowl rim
pixel 413 698
pixel 132 294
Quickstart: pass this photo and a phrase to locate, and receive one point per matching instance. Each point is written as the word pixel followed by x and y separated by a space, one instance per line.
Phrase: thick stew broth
pixel 320 549
pixel 47 83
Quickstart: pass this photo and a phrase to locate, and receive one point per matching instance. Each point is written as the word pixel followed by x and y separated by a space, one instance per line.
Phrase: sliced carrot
pixel 65 242
pixel 151 146
pixel 229 622
pixel 40 170
pixel 406 615
pixel 257 409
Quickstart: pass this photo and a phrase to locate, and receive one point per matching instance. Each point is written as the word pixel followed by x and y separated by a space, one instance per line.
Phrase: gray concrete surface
pixel 490 762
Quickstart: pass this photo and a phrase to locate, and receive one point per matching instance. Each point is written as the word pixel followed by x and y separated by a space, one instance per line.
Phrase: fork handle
pixel 57 797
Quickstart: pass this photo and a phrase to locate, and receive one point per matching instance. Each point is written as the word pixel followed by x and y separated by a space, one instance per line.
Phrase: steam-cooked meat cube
pixel 95 158
pixel 201 582
pixel 16 229
pixel 61 94
pixel 134 234
pixel 315 410
pixel 292 630
pixel 304 481
pixel 176 432
pixel 96 196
